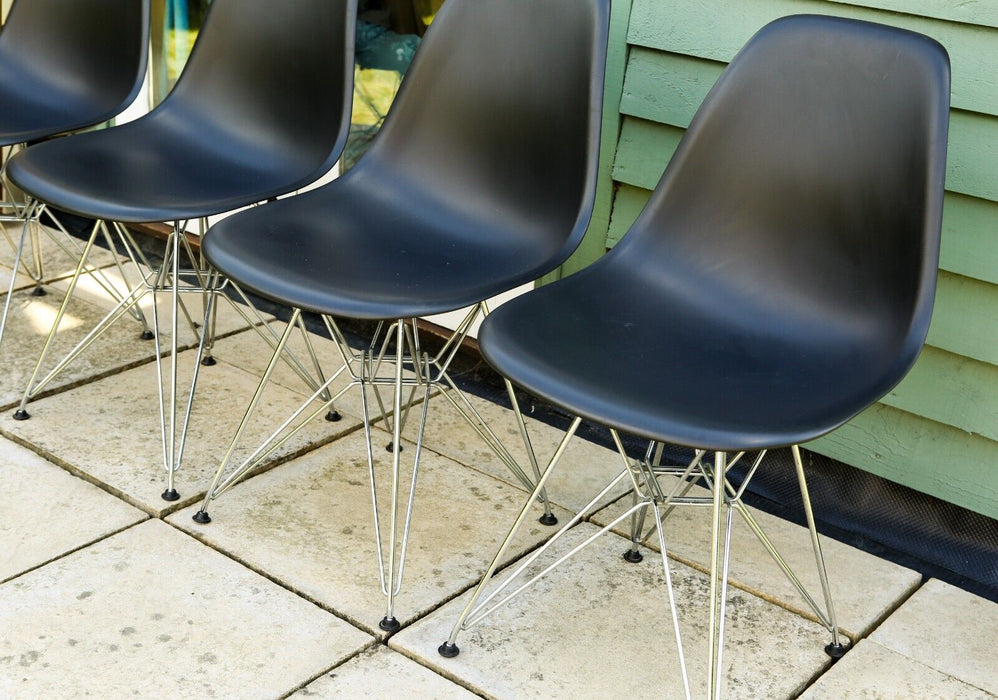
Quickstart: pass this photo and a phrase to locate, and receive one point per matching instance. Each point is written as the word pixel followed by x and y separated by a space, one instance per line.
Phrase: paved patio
pixel 108 591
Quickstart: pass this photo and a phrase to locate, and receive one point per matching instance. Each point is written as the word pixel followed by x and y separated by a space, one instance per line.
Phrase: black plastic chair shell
pixel 67 64
pixel 781 277
pixel 480 180
pixel 262 108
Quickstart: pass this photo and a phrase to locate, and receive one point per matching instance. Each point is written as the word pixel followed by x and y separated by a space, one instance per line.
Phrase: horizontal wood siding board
pixel 952 390
pixel 628 204
pixel 946 462
pixel 643 151
pixel 717 29
pixel 980 12
pixel 970 237
pixel 668 89
pixel 965 319
pixel 972 158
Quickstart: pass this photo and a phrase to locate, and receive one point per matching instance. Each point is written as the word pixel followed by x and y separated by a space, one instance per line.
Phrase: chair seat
pixel 372 246
pixel 652 360
pixel 162 167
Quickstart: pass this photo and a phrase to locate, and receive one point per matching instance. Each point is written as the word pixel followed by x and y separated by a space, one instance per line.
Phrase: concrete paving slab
pixel 382 673
pixel 152 613
pixel 110 429
pixel 947 629
pixel 23 281
pixel 584 470
pixel 872 672
pixel 48 512
pixel 865 589
pixel 28 324
pixel 309 524
pixel 599 627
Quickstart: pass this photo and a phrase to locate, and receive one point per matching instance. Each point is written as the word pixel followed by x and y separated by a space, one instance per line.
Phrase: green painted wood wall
pixel 938 431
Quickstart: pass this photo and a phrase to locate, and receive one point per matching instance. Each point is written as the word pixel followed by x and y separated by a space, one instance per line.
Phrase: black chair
pixel 261 109
pixel 779 281
pixel 64 65
pixel 482 179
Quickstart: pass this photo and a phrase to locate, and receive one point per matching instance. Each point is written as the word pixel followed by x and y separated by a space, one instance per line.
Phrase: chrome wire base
pixel 656 491
pixel 395 377
pixel 144 280
pixel 141 280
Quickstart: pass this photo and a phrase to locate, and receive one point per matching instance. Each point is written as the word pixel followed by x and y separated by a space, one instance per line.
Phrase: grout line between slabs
pixel 900 601
pixel 67 553
pixel 346 660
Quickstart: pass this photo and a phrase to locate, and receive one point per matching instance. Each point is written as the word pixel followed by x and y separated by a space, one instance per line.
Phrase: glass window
pixel 388 34
pixel 175 26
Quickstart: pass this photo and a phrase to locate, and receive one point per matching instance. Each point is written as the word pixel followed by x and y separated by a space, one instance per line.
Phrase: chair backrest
pixel 276 76
pixel 500 113
pixel 90 53
pixel 806 196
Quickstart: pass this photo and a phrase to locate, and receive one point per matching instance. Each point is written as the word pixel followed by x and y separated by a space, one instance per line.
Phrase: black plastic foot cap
pixel 334 416
pixel 209 361
pixel 548 519
pixel 21 414
pixel 448 650
pixel 390 624
pixel 390 447
pixel 201 517
pixel 836 651
pixel 171 495
pixel 147 335
pixel 633 556
pixel 38 292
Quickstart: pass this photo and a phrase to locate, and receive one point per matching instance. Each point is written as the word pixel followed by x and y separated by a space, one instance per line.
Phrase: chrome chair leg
pixel 449 648
pixel 21 413
pixel 38 273
pixel 391 580
pixel 201 516
pixel 633 555
pixel 719 560
pixel 136 310
pixel 548 517
pixel 174 437
pixel 206 336
pixel 673 607
pixel 836 649
pixel 168 414
pixel 13 276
